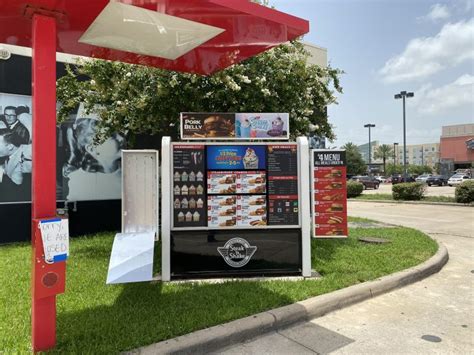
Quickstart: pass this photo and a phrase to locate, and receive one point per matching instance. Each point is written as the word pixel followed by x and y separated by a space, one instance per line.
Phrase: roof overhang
pixel 196 36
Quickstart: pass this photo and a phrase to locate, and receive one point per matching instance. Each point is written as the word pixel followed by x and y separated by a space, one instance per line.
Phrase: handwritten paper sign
pixel 55 235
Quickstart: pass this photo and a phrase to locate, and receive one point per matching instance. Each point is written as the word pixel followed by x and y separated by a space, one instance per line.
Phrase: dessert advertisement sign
pixel 329 193
pixel 235 126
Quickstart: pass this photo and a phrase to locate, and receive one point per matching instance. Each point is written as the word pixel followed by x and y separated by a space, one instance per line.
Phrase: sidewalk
pixel 367 327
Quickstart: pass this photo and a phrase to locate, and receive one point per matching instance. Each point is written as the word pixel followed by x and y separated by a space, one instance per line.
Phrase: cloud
pixel 432 101
pixel 438 12
pixel 425 56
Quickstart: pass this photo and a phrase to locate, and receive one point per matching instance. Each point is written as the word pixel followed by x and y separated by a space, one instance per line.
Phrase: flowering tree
pixel 133 99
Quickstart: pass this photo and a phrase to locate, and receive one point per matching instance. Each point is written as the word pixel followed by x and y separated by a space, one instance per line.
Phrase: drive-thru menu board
pixel 235 186
pixel 329 195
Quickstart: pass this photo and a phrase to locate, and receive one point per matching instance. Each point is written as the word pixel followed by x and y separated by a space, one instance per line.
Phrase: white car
pixel 422 178
pixel 457 179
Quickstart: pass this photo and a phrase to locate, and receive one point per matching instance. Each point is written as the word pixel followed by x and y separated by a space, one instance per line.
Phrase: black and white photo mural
pixel 84 171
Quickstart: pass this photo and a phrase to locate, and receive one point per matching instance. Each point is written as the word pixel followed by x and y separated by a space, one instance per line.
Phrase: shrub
pixel 408 191
pixel 465 192
pixel 354 188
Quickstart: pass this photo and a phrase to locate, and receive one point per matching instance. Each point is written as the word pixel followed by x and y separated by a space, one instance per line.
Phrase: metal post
pixel 43 195
pixel 370 151
pixel 404 143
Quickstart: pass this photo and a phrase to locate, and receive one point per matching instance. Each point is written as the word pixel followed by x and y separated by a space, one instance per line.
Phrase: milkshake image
pixel 180 217
pixel 250 159
pixel 177 176
pixel 192 176
pixel 245 129
pixel 177 204
pixel 199 203
pixel 199 176
pixel 188 217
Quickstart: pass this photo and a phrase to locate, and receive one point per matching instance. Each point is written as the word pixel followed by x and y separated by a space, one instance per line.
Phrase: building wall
pixel 364 151
pixel 454 143
pixel 455 148
pixel 420 154
pixel 319 55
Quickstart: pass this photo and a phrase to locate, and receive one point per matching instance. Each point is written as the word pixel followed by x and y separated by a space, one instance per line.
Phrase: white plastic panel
pixel 142 31
pixel 140 194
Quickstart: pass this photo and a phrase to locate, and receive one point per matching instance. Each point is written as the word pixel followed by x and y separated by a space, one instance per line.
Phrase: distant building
pixel 419 154
pixel 364 151
pixel 457 147
pixel 318 55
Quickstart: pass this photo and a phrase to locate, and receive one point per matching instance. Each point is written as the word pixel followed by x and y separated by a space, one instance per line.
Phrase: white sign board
pixel 132 258
pixel 55 236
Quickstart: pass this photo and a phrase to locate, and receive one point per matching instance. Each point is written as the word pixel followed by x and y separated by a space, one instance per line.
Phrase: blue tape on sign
pixel 51 220
pixel 58 258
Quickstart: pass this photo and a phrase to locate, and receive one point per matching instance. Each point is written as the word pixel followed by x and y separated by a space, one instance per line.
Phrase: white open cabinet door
pixel 140 191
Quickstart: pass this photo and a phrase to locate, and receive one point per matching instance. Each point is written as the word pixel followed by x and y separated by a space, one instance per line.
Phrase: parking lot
pixel 430 190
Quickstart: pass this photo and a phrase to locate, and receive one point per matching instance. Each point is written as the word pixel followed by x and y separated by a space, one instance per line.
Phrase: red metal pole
pixel 44 167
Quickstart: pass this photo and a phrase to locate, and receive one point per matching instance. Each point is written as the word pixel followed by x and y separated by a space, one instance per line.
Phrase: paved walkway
pixel 433 316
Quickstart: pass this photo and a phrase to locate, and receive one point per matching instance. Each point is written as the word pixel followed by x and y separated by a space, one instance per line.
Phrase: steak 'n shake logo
pixel 237 252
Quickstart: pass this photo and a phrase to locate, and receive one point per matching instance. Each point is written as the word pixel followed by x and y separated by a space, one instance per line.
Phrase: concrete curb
pixel 220 336
pixel 414 202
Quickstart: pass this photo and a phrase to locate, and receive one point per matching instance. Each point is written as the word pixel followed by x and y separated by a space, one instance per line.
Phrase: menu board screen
pixel 329 193
pixel 283 184
pixel 189 199
pixel 232 186
pixel 236 157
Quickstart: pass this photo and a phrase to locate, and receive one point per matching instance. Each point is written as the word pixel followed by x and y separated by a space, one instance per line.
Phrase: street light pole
pixel 403 95
pixel 394 154
pixel 369 125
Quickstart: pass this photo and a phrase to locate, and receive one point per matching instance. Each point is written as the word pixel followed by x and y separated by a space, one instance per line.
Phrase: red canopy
pixel 249 29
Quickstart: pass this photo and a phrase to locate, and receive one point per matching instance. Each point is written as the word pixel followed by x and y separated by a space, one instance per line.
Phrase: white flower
pixel 119 102
pixel 128 75
pixel 266 92
pixel 313 127
pixel 92 82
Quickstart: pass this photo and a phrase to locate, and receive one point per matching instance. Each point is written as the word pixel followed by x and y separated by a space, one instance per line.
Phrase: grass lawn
pixel 389 197
pixel 96 318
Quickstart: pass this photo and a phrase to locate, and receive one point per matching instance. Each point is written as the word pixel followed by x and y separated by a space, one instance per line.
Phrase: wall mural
pixel 84 171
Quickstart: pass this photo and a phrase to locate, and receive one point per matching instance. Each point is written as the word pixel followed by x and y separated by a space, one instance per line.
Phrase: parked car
pixel 423 178
pixel 398 178
pixel 381 179
pixel 439 180
pixel 367 181
pixel 457 179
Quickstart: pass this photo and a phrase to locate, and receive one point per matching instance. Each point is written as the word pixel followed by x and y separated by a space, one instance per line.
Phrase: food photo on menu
pixel 252 210
pixel 222 211
pixel 207 125
pixel 221 182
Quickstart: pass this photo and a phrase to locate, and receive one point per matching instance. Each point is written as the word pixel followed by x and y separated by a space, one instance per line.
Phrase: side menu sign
pixel 329 193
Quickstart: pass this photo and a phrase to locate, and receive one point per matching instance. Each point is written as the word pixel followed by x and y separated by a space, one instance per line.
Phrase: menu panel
pixel 221 211
pixel 252 210
pixel 329 193
pixel 282 173
pixel 189 198
pixel 234 186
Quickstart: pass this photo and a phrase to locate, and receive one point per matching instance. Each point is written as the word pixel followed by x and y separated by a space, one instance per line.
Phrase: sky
pixel 386 46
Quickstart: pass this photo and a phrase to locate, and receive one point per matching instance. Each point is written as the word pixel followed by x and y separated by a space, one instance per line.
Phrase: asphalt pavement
pixel 433 316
